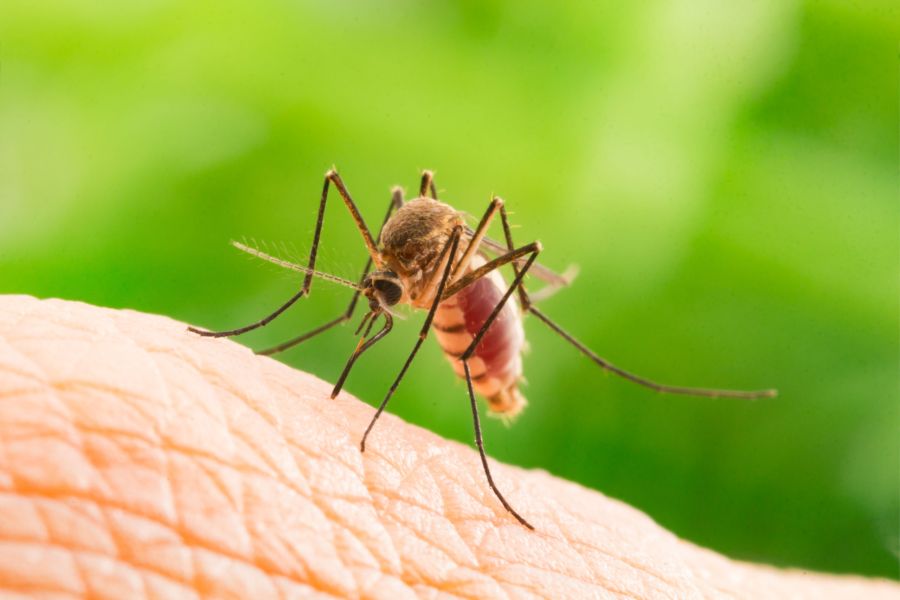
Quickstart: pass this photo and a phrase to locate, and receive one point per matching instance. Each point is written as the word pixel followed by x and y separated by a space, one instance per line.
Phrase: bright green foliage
pixel 723 173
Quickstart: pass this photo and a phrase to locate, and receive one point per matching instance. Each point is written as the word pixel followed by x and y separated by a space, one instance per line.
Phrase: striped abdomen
pixel 496 365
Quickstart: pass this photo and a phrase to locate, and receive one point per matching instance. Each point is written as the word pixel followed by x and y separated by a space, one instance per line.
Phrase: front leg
pixel 396 202
pixel 449 251
pixel 330 177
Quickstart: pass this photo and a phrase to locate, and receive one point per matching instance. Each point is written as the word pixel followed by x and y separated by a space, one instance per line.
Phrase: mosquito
pixel 425 256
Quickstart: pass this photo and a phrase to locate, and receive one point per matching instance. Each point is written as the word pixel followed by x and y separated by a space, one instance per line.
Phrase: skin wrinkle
pixel 630 564
pixel 334 532
pixel 622 559
pixel 397 498
pixel 290 588
pixel 386 493
pixel 209 472
pixel 147 566
pixel 225 421
pixel 125 521
pixel 460 552
pixel 118 545
pixel 484 497
pixel 616 558
pixel 179 528
pixel 436 508
pixel 476 494
pixel 8 369
pixel 439 545
pixel 172 512
pixel 468 582
pixel 354 465
pixel 227 439
pixel 75 551
pixel 582 558
pixel 114 555
pixel 432 457
pixel 77 444
pixel 105 506
pixel 559 579
pixel 610 584
pixel 128 398
pixel 451 505
pixel 338 521
pixel 503 564
pixel 335 516
pixel 62 585
pixel 155 365
pixel 419 575
pixel 451 591
pixel 275 467
pixel 394 518
pixel 274 423
pixel 537 565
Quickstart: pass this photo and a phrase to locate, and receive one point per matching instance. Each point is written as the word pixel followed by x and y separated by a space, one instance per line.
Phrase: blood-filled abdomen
pixel 496 365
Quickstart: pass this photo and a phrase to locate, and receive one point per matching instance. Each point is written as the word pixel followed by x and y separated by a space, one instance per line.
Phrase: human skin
pixel 138 460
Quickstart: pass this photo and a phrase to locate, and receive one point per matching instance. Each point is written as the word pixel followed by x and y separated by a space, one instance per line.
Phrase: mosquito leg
pixel 527 305
pixel 427 185
pixel 479 441
pixel 307 280
pixel 309 334
pixel 555 281
pixel 396 202
pixel 450 247
pixel 330 177
pixel 361 347
pixel 472 276
pixel 524 300
pixel 659 387
pixel 477 236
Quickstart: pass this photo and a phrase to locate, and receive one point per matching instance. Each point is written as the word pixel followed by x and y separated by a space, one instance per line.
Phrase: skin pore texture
pixel 140 461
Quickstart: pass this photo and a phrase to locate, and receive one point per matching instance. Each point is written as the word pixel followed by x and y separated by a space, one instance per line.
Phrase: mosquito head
pixel 383 289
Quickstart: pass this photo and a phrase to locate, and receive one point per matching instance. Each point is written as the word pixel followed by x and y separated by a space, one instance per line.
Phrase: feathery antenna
pixel 293 266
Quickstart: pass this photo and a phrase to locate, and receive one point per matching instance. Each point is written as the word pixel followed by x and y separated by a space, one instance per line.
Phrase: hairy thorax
pixel 412 241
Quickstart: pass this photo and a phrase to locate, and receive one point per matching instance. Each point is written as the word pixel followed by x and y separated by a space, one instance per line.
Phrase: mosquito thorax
pixel 413 238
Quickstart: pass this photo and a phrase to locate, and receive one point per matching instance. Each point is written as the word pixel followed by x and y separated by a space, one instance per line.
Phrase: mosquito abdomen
pixel 496 365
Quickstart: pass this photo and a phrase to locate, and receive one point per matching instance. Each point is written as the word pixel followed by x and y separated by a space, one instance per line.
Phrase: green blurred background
pixel 723 173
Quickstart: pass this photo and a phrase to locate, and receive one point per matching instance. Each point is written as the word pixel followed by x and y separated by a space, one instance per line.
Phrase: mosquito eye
pixel 389 290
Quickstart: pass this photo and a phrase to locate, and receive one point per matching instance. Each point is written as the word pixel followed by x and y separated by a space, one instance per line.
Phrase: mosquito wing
pixel 554 280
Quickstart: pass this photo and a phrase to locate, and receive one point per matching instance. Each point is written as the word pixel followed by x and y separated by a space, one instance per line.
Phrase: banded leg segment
pixel 330 177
